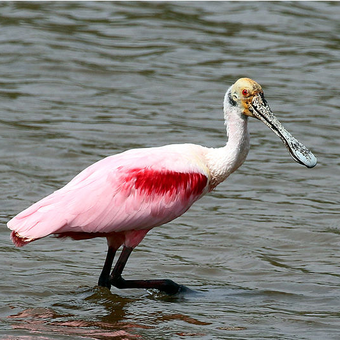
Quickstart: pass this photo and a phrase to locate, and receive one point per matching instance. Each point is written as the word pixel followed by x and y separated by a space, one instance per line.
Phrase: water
pixel 80 81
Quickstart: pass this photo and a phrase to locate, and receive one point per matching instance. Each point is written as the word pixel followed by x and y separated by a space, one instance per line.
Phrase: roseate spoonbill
pixel 123 196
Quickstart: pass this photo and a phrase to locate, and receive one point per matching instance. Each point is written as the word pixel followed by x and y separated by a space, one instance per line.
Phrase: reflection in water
pixel 112 324
pixel 47 321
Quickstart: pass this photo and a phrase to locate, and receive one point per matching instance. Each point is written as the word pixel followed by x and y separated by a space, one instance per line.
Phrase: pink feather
pixel 126 193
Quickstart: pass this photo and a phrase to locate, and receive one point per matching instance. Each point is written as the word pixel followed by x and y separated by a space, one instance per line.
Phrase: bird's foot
pixel 167 286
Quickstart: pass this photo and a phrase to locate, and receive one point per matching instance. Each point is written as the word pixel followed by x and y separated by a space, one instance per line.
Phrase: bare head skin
pixel 243 92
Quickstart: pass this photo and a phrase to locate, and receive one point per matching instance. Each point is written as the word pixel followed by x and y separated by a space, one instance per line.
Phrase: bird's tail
pixel 18 240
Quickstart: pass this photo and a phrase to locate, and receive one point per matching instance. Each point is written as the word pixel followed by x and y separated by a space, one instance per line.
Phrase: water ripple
pixel 83 80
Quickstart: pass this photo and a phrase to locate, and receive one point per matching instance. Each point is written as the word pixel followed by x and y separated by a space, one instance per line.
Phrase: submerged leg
pixel 104 278
pixel 167 286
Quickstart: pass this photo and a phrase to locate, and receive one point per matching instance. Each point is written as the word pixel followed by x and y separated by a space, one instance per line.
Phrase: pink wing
pixel 134 190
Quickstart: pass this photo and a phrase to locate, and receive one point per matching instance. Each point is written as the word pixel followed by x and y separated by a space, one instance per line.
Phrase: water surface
pixel 81 81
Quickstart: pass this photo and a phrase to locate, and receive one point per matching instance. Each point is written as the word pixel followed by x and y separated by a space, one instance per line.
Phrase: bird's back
pixel 137 189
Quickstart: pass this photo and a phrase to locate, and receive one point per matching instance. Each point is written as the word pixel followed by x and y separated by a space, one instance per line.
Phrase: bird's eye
pixel 245 92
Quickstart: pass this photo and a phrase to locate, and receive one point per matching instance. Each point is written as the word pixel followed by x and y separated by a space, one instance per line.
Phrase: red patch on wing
pixel 153 182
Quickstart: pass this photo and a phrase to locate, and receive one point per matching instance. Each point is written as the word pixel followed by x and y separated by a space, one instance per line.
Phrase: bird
pixel 122 197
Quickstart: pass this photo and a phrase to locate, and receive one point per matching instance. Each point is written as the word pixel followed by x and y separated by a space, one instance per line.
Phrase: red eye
pixel 244 92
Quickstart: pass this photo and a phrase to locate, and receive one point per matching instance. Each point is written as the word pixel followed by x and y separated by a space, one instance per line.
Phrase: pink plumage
pixel 122 197
pixel 135 190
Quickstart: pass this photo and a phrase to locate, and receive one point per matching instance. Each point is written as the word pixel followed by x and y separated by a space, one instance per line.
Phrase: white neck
pixel 224 161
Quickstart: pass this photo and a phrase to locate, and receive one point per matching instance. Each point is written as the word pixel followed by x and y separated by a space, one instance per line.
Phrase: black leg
pixel 167 286
pixel 104 278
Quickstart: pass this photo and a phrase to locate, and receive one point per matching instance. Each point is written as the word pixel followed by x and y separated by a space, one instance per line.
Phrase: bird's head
pixel 246 96
pixel 243 92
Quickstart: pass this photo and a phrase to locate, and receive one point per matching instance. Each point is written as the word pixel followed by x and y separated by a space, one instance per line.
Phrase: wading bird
pixel 122 197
